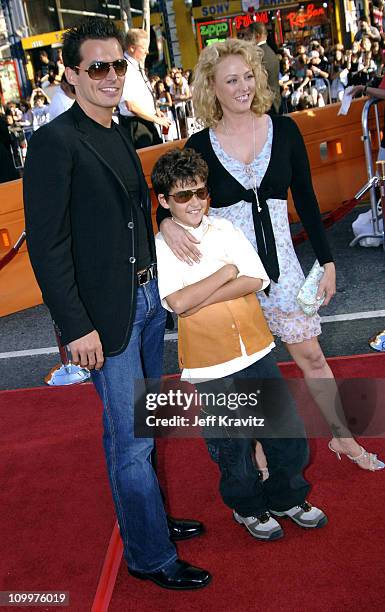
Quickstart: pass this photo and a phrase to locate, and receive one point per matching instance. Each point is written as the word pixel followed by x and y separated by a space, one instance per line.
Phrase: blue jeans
pixel 134 484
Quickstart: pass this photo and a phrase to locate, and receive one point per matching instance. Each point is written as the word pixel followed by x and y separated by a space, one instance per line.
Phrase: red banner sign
pixel 303 18
pixel 243 21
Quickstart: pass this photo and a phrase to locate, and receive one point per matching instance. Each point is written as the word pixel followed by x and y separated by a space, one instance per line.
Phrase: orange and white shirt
pixel 223 338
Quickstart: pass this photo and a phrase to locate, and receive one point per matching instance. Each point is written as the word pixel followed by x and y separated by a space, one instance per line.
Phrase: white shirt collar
pixel 199 231
pixel 131 59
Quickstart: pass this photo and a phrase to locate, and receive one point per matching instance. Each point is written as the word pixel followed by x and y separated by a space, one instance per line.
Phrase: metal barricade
pixel 192 125
pixel 289 103
pixel 20 137
pixel 373 182
pixel 65 373
pixel 312 85
pixel 181 118
pixel 185 119
pixel 16 150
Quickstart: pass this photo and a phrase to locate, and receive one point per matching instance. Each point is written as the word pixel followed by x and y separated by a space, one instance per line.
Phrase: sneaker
pixel 378 342
pixel 304 515
pixel 263 527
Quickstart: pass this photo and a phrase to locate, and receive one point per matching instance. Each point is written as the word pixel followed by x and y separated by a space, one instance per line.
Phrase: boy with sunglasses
pixel 92 248
pixel 223 338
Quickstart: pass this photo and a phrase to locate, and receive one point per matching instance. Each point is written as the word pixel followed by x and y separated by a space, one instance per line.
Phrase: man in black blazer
pixel 270 62
pixel 91 245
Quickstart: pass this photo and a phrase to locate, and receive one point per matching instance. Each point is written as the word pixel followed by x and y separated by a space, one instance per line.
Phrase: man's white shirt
pixel 59 104
pixel 136 89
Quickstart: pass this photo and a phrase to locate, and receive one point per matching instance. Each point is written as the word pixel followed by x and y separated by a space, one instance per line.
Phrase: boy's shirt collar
pixel 199 231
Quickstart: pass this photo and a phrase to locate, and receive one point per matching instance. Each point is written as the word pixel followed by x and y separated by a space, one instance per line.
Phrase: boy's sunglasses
pixel 182 197
pixel 99 70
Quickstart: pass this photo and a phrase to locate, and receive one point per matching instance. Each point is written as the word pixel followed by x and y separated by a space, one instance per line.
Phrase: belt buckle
pixel 146 275
pixel 143 277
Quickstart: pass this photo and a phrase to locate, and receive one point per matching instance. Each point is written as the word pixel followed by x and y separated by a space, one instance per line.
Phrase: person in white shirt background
pixel 165 104
pixel 63 99
pixel 137 107
pixel 40 109
pixel 51 85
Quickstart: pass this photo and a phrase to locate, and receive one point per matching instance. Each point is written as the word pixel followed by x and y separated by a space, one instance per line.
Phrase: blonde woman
pixel 253 160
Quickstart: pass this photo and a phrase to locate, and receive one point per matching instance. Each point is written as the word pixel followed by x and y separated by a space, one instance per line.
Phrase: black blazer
pixel 81 237
pixel 271 64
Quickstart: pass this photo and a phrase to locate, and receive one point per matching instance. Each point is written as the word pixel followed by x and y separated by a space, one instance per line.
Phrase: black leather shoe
pixel 183 529
pixel 178 576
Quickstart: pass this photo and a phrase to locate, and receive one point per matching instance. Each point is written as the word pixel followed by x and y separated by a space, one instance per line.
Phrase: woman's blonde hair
pixel 208 111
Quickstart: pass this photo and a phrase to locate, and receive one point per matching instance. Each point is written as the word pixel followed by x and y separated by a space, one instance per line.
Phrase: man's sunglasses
pixel 99 70
pixel 182 197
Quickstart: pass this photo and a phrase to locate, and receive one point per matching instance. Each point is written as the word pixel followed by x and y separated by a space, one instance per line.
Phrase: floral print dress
pixel 283 314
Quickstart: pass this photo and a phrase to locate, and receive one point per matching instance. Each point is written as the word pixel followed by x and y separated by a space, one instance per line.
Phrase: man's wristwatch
pixel 364 90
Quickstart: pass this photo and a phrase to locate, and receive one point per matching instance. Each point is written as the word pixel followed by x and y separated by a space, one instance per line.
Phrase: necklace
pixel 249 171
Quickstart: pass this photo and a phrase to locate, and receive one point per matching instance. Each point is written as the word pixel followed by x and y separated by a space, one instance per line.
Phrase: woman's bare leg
pixel 310 359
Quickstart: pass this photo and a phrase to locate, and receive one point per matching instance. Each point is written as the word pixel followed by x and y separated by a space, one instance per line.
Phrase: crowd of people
pixel 32 113
pixel 312 75
pixel 315 75
pixel 173 97
pixel 53 95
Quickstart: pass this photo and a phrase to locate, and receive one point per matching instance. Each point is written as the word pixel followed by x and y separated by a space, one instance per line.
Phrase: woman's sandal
pixel 374 463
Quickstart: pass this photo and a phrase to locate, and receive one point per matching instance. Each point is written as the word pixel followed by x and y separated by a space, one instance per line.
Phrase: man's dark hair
pixel 92 28
pixel 65 82
pixel 258 28
pixel 178 166
pixel 246 34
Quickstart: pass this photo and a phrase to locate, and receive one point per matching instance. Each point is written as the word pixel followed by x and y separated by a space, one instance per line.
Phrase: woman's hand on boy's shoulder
pixel 180 241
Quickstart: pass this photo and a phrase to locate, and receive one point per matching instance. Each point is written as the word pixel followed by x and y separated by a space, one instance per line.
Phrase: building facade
pixel 179 28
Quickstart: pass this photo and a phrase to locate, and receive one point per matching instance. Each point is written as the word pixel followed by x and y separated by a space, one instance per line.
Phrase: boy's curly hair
pixel 183 166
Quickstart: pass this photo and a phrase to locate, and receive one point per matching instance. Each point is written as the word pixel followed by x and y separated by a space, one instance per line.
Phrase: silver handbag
pixel 307 295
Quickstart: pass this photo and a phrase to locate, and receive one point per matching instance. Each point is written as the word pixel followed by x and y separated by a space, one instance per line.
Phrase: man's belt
pixel 144 276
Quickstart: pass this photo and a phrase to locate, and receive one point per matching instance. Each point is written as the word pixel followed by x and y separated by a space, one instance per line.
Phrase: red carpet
pixel 57 517
pixel 350 366
pixel 56 511
pixel 339 567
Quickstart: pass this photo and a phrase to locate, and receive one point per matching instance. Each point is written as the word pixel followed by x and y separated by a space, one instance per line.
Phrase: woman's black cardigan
pixel 288 168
